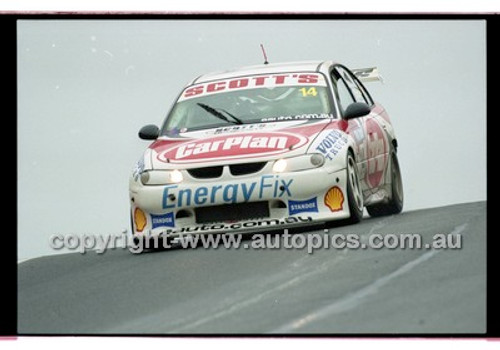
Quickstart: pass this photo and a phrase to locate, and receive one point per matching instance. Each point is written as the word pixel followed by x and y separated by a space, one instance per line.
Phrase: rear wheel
pixel 395 203
pixel 354 193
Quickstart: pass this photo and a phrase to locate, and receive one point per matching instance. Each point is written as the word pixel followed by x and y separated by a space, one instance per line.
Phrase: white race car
pixel 264 148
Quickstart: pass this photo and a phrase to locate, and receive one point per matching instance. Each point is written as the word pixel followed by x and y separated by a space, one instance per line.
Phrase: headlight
pixel 176 176
pixel 280 166
pixel 145 177
pixel 304 162
pixel 161 177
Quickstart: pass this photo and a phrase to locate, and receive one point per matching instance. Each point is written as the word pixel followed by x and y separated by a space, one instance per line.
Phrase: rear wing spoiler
pixel 368 74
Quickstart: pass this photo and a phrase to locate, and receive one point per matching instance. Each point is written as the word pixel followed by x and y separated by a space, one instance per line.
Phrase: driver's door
pixel 370 139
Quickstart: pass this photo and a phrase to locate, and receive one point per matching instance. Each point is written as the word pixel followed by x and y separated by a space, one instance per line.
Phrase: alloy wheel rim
pixel 353 179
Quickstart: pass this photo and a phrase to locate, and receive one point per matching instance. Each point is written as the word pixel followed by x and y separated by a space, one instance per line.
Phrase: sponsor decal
pixel 309 205
pixel 238 128
pixel 257 81
pixel 356 130
pixel 334 199
pixel 268 186
pixel 140 220
pixel 165 220
pixel 299 117
pixel 239 225
pixel 138 169
pixel 332 144
pixel 232 146
pixel 377 149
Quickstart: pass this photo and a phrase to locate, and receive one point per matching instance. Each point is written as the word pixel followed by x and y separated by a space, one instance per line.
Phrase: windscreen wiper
pixel 215 112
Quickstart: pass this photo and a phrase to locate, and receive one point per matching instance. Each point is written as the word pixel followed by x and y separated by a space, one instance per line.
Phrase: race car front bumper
pixel 260 202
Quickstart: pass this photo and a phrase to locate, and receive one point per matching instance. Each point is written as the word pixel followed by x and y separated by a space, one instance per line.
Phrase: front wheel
pixel 395 203
pixel 354 194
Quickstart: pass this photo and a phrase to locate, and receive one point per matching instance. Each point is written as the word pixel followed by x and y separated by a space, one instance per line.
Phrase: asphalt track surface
pixel 239 291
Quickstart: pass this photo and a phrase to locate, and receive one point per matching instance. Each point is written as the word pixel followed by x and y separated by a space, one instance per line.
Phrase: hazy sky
pixel 86 87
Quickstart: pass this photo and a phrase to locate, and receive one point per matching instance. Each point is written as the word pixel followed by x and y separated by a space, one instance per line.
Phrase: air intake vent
pixel 246 168
pixel 206 173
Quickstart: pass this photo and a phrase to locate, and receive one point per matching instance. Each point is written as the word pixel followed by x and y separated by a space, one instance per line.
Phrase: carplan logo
pixel 233 146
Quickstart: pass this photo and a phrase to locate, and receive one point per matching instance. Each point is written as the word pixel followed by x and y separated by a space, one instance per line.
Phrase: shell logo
pixel 140 219
pixel 334 199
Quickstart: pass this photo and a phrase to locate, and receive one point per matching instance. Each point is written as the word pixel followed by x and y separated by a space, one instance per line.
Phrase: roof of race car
pixel 285 67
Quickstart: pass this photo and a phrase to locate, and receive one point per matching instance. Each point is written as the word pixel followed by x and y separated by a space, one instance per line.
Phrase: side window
pixel 365 93
pixel 353 86
pixel 344 95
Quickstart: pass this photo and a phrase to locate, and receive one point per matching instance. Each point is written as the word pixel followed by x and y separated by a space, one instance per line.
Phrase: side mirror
pixel 149 132
pixel 356 110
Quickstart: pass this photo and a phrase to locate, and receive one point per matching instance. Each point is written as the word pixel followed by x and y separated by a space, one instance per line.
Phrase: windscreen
pixel 247 100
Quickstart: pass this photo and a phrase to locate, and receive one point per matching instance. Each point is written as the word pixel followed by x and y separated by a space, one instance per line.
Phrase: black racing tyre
pixel 354 193
pixel 395 203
